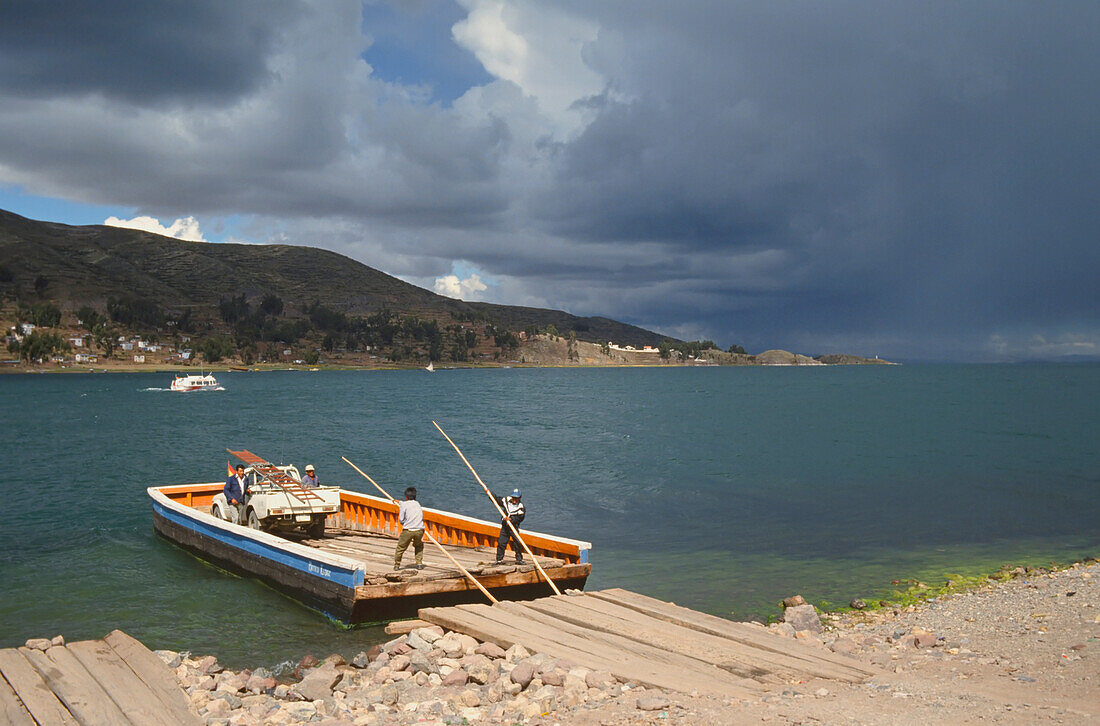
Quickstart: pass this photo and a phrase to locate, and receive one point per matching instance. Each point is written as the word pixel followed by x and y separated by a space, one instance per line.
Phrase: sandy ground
pixel 1021 652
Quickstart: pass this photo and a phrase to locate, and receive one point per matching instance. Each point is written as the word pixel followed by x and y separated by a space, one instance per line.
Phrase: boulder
pixel 523 673
pixel 416 642
pixel 170 657
pixel 421 663
pixel 470 698
pixel 457 677
pixel 652 703
pixel 857 604
pixel 803 617
pixel 452 647
pixel 553 678
pixel 599 679
pixel 60 639
pixel 793 601
pixel 490 650
pixel 516 653
pixel 399 663
pixel 39 644
pixel 318 683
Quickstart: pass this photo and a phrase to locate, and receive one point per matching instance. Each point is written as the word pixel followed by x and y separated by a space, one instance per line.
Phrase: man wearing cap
pixel 235 487
pixel 309 481
pixel 515 512
pixel 411 516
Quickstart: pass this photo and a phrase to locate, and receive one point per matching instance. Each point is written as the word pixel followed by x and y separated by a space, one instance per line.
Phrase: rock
pixel 452 647
pixel 523 673
pixel 390 645
pixel 652 703
pixel 553 678
pixel 421 678
pixel 318 683
pixel 845 645
pixel 785 630
pixel 305 664
pixel 429 634
pixel 468 644
pixel 482 671
pixel 490 650
pixel 208 664
pixel 170 657
pixel 470 698
pixel 793 601
pixel 457 677
pixel 803 617
pixel 516 653
pixel 336 659
pixel 60 639
pixel 362 659
pixel 857 604
pixel 416 642
pixel 389 695
pixel 300 711
pixel 599 679
pixel 206 683
pixel 259 684
pixel 420 663
pixel 217 708
pixel 821 692
pixel 399 663
pixel 229 681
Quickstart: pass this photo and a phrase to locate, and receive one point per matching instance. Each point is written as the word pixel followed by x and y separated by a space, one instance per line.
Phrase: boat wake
pixel 197 390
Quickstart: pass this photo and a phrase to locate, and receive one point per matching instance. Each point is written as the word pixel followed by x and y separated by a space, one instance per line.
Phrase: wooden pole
pixel 429 536
pixel 503 516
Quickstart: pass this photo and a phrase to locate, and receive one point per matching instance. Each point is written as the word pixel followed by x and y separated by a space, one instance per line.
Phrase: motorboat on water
pixel 205 381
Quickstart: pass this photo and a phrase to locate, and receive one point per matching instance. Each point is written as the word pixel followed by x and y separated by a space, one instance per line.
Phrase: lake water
pixel 724 489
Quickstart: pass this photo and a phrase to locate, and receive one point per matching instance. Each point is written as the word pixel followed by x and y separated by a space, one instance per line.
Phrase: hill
pixel 215 286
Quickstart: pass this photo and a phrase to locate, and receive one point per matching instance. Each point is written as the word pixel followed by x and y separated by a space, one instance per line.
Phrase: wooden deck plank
pixel 742 661
pixel 133 697
pixel 75 687
pixel 720 650
pixel 33 690
pixel 507 628
pixel 156 675
pixel 12 710
pixel 740 632
pixel 700 671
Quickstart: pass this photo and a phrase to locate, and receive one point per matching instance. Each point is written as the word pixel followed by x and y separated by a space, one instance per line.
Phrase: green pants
pixel 416 536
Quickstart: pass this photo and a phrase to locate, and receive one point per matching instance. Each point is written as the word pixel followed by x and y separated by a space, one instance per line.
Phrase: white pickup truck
pixel 273 507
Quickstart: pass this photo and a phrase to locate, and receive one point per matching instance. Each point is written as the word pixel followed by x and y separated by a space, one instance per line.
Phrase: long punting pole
pixel 429 536
pixel 503 516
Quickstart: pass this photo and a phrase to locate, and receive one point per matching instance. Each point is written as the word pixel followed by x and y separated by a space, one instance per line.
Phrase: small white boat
pixel 431 367
pixel 194 383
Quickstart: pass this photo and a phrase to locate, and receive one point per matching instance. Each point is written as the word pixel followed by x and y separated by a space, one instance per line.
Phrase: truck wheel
pixel 316 528
pixel 253 520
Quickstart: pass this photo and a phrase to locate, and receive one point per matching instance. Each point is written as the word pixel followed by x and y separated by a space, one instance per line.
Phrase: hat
pixel 516 494
pixel 309 467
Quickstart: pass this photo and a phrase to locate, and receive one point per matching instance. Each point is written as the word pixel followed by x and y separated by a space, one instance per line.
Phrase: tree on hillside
pixel 39 345
pixel 737 349
pixel 664 349
pixel 105 337
pixel 214 349
pixel 271 304
pixel 43 314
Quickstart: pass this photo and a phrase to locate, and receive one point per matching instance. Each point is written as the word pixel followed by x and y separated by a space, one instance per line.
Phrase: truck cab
pixel 277 507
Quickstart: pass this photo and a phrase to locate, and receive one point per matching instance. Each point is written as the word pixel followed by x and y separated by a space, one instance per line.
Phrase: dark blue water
pixel 724 489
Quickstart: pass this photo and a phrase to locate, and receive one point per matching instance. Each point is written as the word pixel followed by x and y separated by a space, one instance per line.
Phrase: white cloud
pixel 185 228
pixel 539 48
pixel 451 286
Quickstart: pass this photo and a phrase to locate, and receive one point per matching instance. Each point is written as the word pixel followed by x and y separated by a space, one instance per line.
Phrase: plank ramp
pixel 651 642
pixel 116 681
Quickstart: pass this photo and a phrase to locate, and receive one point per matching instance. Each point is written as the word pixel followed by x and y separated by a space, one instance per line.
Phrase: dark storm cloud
pixel 143 52
pixel 907 179
pixel 922 166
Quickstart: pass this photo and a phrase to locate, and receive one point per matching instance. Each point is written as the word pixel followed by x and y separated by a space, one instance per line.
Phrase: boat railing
pixel 374 514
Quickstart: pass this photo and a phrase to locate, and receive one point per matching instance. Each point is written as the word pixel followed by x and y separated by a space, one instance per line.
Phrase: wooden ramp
pixel 651 642
pixel 116 681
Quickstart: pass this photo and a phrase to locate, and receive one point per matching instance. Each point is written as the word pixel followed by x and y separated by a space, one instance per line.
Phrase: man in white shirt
pixel 411 517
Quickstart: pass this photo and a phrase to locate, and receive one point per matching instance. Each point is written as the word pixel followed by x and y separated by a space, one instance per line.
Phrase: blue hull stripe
pixel 349 578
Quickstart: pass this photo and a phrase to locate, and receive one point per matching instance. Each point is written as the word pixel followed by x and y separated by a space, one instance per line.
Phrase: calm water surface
pixel 724 489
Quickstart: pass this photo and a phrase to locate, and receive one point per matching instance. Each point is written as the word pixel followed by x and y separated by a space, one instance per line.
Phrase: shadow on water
pixel 722 489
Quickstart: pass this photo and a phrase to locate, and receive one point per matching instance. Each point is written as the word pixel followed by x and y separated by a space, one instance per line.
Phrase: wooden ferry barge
pixel 348 573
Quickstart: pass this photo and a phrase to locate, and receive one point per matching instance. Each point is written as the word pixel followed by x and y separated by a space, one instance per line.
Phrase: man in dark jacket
pixel 515 512
pixel 234 490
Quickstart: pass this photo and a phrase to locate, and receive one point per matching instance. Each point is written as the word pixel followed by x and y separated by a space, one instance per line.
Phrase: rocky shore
pixel 1024 650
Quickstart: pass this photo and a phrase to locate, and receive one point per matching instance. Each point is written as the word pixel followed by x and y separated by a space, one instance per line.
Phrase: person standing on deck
pixel 515 512
pixel 309 481
pixel 235 487
pixel 411 517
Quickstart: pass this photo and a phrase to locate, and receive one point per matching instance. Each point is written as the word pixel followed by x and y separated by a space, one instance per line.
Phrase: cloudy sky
pixel 916 180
